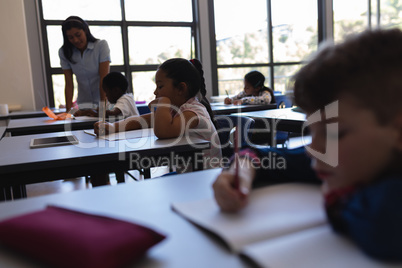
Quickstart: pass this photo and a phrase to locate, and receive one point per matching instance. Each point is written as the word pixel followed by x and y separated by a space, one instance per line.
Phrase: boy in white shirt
pixel 115 86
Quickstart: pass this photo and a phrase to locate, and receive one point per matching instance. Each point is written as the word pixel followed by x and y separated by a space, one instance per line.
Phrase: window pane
pixel 390 14
pixel 294 29
pixel 349 17
pixel 154 45
pixel 55 41
pixel 58 90
pixel 144 86
pixel 230 80
pixel 112 34
pixel 241 31
pixel 87 10
pixel 159 10
pixel 283 74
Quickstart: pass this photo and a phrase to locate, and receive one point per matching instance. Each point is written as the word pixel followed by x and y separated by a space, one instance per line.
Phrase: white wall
pixel 16 86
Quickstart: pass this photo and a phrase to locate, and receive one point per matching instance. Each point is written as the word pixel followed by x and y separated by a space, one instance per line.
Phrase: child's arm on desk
pixel 167 127
pixel 130 123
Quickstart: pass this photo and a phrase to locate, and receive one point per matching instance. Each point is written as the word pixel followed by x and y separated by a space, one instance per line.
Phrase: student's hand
pixel 227 100
pixel 108 127
pixel 92 112
pixel 63 116
pixel 237 102
pixel 79 113
pixel 229 198
pixel 86 112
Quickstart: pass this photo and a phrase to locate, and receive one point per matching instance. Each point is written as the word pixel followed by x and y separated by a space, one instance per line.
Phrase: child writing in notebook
pixel 352 94
pixel 255 92
pixel 179 108
pixel 115 86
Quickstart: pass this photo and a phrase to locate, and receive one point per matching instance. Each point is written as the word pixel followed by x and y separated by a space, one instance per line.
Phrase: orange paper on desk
pixel 50 113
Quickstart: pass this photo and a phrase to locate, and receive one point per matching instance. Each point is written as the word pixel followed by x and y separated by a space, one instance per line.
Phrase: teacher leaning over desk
pixel 88 58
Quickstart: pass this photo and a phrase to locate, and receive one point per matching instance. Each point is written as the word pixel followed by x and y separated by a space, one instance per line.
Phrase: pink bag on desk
pixel 65 238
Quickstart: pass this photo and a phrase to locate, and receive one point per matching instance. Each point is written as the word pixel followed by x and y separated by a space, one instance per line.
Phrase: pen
pixel 236 155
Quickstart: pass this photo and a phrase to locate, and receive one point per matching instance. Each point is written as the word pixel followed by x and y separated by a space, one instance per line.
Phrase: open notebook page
pixel 314 247
pixel 272 211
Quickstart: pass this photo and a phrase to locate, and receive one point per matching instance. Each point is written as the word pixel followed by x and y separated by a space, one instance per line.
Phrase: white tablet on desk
pixel 53 141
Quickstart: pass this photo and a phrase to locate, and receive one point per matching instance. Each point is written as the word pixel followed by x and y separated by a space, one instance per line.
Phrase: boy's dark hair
pixel 367 66
pixel 115 79
pixel 74 22
pixel 191 73
pixel 257 79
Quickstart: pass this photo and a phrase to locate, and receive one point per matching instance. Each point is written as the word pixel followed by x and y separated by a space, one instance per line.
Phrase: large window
pixel 276 36
pixel 140 34
pixel 271 36
pixel 355 16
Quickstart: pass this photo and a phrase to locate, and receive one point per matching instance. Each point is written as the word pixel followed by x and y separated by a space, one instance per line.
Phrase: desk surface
pixel 282 114
pixel 149 203
pixel 31 114
pixel 21 165
pixel 221 108
pixel 2 131
pixel 285 119
pixel 37 125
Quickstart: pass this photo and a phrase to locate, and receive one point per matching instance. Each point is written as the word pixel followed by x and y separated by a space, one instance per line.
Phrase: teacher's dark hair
pixel 74 22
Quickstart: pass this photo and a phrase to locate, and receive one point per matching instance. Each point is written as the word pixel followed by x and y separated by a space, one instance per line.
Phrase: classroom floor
pixel 64 186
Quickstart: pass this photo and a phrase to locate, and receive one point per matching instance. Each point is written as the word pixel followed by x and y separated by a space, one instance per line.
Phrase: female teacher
pixel 88 58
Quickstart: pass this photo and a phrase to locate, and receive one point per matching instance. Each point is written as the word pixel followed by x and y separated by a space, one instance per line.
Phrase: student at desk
pixel 359 164
pixel 115 86
pixel 255 92
pixel 179 108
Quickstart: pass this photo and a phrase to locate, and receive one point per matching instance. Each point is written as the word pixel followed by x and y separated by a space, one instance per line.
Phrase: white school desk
pixel 4 120
pixel 31 114
pixel 221 108
pixel 20 165
pixel 38 125
pixel 2 131
pixel 285 119
pixel 148 203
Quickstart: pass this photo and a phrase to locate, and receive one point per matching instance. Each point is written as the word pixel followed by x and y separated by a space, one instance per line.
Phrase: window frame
pixel 124 24
pixel 325 28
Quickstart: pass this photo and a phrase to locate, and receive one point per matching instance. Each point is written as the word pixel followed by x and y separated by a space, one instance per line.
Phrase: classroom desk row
pixel 27 165
pixel 21 165
pixel 148 203
pixel 285 119
pixel 36 125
